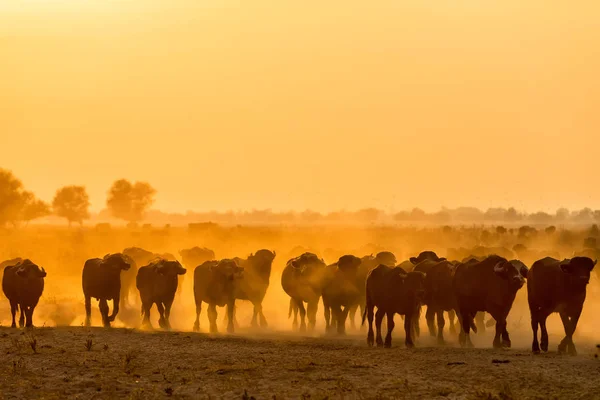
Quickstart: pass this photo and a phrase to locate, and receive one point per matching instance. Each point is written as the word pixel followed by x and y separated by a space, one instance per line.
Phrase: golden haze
pixel 222 105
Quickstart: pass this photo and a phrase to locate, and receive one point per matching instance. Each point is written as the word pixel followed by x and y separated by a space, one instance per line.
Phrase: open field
pixel 128 363
pixel 125 363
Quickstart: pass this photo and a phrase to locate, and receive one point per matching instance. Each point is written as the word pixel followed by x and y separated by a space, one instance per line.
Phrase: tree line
pixel 126 200
pixel 131 202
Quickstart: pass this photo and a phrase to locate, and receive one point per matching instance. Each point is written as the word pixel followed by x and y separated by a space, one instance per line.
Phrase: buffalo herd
pixel 378 285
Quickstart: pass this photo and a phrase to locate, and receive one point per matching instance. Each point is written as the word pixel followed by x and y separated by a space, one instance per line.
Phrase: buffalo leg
pixel 254 322
pixel 168 306
pixel 198 311
pixel 500 328
pixel 88 311
pixel 390 328
pixel 311 312
pixel 104 312
pixel 22 316
pixel 116 301
pixel 13 310
pixel 294 310
pixel 146 307
pixel 441 322
pixel 506 337
pixel 430 317
pixel 161 315
pixel 574 320
pixel 29 317
pixel 212 318
pixel 231 316
pixel 302 312
pixel 544 338
pixel 451 315
pixel 341 320
pixel 327 311
pixel 569 324
pixel 378 319
pixel 408 322
pixel 371 334
pixel 535 346
pixel 261 315
pixel 467 321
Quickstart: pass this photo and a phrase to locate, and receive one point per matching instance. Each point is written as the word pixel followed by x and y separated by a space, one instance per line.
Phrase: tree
pixel 33 208
pixel 129 201
pixel 12 197
pixel 17 204
pixel 72 203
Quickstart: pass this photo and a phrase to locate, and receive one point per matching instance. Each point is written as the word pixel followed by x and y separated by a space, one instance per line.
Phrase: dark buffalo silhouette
pixel 138 257
pixel 302 279
pixel 557 286
pixel 196 256
pixel 342 291
pixel 439 295
pixel 425 255
pixel 480 316
pixel 215 284
pixel 23 284
pixel 255 282
pixel 393 291
pixel 367 264
pixel 491 286
pixel 157 283
pixel 101 279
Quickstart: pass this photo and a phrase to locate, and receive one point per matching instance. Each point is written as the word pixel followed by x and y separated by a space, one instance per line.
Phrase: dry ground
pixel 96 363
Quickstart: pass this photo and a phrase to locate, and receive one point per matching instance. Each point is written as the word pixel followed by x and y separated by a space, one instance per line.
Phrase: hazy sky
pixel 316 104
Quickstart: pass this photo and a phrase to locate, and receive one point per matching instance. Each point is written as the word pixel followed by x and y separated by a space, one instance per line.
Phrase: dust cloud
pixel 63 252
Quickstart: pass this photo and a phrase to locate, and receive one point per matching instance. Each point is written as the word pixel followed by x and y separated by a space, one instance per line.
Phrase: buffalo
pixel 255 282
pixel 342 291
pixel 23 284
pixel 215 284
pixel 367 264
pixel 302 279
pixel 393 290
pixel 101 279
pixel 157 283
pixel 557 286
pixel 137 258
pixel 491 286
pixel 195 256
pixel 439 295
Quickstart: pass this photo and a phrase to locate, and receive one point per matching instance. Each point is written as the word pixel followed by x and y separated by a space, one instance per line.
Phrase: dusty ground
pixel 96 363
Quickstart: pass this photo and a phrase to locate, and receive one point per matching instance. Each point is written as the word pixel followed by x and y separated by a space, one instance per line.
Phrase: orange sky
pixel 294 105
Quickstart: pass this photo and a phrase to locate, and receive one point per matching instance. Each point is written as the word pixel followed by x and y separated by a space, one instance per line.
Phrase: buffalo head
pixel 349 263
pixel 117 261
pixel 426 255
pixel 230 269
pixel 513 271
pixel 172 268
pixel 27 269
pixel 386 258
pixel 578 270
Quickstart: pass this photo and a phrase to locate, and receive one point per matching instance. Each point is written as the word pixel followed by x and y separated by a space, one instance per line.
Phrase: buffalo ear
pixel 413 260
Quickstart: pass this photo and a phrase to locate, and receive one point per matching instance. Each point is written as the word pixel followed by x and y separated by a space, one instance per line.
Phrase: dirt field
pixel 96 363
